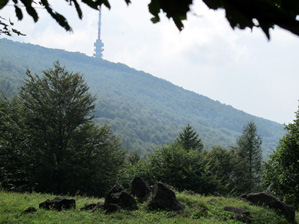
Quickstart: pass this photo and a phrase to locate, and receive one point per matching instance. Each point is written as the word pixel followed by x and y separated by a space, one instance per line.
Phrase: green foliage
pixel 62 142
pixel 133 157
pixel 6 28
pixel 240 14
pixel 281 171
pixel 13 142
pixel 57 106
pixel 142 110
pixel 267 13
pixel 237 170
pixel 176 10
pixel 184 170
pixel 249 152
pixel 189 139
pixel 222 163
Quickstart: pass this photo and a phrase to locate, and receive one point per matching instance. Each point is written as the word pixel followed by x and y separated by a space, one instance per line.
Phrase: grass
pixel 198 209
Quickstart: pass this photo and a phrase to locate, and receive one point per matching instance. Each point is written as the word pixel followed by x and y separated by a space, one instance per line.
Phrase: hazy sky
pixel 236 67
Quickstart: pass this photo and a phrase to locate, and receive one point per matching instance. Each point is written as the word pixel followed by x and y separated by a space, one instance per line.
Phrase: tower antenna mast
pixel 99 45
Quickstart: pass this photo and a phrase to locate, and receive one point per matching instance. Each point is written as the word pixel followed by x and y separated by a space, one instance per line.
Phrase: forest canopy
pixel 142 110
pixel 48 131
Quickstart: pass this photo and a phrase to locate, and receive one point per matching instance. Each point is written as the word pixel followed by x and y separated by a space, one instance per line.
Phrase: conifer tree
pixel 189 139
pixel 249 152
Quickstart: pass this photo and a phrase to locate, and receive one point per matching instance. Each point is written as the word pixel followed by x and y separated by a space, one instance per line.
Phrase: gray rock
pixel 164 198
pixel 58 204
pixel 240 214
pixel 269 200
pixel 140 189
pixel 29 210
pixel 117 195
pixel 112 208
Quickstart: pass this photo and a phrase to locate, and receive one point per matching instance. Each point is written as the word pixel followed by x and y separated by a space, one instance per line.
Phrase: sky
pixel 240 68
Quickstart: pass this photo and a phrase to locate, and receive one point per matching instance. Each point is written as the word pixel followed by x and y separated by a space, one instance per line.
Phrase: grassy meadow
pixel 198 209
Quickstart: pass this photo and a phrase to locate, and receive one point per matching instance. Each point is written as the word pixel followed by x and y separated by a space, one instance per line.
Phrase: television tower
pixel 99 45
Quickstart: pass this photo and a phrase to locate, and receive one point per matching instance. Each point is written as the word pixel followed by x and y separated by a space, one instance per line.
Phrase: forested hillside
pixel 143 110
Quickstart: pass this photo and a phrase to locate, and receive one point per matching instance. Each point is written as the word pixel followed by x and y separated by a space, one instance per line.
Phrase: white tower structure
pixel 99 45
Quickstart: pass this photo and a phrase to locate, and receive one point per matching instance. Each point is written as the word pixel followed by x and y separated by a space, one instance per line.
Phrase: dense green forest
pixel 144 111
pixel 54 137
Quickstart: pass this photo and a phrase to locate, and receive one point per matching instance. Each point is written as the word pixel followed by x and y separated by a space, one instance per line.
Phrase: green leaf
pixel 3 3
pixel 291 6
pixel 236 18
pixel 60 19
pixel 155 19
pixel 18 12
pixel 96 4
pixel 30 10
pixel 265 27
pixel 177 10
pixel 18 32
pixel 214 4
pixel 78 9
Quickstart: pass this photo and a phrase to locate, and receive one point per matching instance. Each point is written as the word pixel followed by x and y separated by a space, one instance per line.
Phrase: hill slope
pixel 142 109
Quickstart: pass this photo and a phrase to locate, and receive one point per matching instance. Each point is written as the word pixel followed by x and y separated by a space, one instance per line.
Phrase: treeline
pixel 185 165
pixel 142 110
pixel 50 142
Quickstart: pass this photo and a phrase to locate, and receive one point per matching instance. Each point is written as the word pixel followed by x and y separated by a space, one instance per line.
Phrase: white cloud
pixel 240 68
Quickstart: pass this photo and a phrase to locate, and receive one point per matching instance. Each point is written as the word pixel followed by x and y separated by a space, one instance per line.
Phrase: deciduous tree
pixel 184 170
pixel 281 171
pixel 13 144
pixel 68 152
pixel 222 164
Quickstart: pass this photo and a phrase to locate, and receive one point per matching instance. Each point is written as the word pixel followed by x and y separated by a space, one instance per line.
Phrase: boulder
pixel 112 208
pixel 240 214
pixel 29 210
pixel 164 198
pixel 269 200
pixel 58 204
pixel 116 189
pixel 117 195
pixel 140 189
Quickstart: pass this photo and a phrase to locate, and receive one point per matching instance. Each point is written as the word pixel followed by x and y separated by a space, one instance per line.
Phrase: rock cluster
pixel 118 198
pixel 58 204
pixel 162 198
